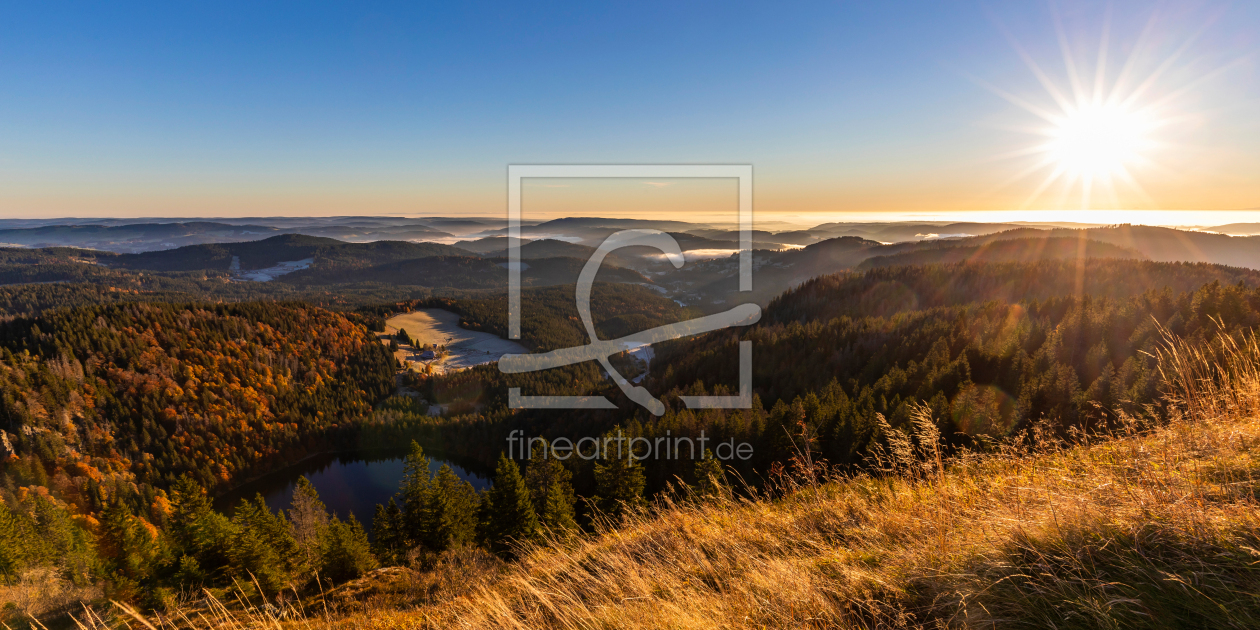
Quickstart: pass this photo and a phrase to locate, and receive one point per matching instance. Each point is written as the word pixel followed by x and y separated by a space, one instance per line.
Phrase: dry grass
pixel 41 592
pixel 1149 528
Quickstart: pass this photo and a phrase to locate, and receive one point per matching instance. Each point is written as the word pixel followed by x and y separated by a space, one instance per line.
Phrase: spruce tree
pixel 190 509
pixel 251 556
pixel 310 520
pixel 129 543
pixel 439 511
pixel 507 514
pixel 416 491
pixel 346 551
pixel 264 546
pixel 13 534
pixel 710 476
pixel 454 512
pixel 619 481
pixel 551 491
pixel 388 542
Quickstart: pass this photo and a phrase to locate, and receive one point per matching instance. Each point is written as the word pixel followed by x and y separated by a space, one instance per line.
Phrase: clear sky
pixel 844 109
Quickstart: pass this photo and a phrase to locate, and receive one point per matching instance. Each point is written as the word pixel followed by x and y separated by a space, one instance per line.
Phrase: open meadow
pixel 466 348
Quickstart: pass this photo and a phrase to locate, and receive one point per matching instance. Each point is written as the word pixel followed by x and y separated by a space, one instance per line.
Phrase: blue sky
pixel 236 108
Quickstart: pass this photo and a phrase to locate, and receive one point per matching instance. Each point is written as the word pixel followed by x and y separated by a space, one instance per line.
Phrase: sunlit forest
pixel 123 419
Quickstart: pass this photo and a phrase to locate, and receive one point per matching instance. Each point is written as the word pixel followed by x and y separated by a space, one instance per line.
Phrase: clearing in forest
pixel 465 348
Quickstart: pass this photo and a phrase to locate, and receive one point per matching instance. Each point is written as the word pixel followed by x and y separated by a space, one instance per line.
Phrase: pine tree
pixel 129 543
pixel 346 551
pixel 197 530
pixel 417 491
pixel 710 476
pixel 454 511
pixel 438 511
pixel 14 533
pixel 388 542
pixel 550 491
pixel 263 547
pixel 619 481
pixel 189 572
pixel 310 520
pixel 250 557
pixel 507 514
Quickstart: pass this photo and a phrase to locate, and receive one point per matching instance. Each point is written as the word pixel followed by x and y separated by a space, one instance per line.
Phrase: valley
pixel 273 387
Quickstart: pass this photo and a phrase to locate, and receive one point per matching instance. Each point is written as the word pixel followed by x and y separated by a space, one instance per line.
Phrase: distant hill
pixel 712 283
pixel 52 255
pixel 716 281
pixel 463 226
pixel 1237 229
pixel 327 254
pixel 462 272
pixel 1010 250
pixel 496 247
pixel 592 231
pixel 134 237
pixel 792 237
pixel 1167 244
pixel 886 290
pixel 900 232
pixel 151 236
pixel 620 224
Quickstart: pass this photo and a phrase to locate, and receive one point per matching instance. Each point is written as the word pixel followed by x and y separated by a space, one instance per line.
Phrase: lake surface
pixel 347 484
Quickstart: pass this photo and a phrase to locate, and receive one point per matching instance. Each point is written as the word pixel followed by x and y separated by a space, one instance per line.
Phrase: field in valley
pixel 438 327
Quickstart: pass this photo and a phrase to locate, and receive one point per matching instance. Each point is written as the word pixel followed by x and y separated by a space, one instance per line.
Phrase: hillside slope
pixel 327 254
pixel 462 272
pixel 101 396
pixel 1012 250
pixel 1153 526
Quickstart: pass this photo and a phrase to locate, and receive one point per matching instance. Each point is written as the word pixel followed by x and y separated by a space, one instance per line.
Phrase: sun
pixel 1098 138
pixel 1099 141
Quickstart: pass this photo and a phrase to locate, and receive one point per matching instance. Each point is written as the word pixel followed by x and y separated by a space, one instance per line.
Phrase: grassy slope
pixel 1149 528
pixel 1155 528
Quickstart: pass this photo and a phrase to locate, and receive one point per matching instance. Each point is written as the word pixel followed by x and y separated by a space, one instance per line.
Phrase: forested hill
pixel 462 272
pixel 887 290
pixel 327 254
pixel 102 400
pixel 1152 242
pixel 991 348
pixel 1011 250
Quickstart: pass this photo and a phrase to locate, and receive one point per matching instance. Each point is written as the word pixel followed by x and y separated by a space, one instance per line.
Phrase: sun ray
pixel 1100 74
pixel 1101 131
pixel 1017 177
pixel 1124 174
pixel 1046 183
pixel 1046 83
pixel 1039 112
pixel 1130 63
pixel 1168 63
pixel 1074 78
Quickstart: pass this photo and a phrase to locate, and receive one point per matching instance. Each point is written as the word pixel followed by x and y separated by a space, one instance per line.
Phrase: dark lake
pixel 347 484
